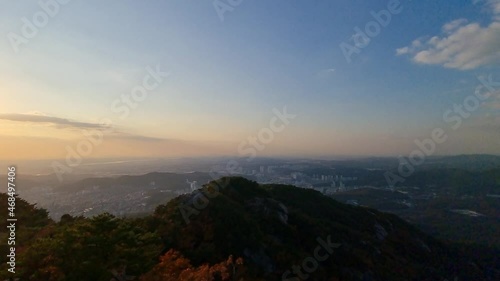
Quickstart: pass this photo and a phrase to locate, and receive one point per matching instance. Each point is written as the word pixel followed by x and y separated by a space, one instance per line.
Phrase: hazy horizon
pixel 144 165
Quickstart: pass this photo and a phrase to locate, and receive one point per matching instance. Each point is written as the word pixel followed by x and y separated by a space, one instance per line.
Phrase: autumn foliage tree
pixel 174 267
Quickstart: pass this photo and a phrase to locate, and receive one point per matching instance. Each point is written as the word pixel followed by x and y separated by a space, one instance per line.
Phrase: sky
pixel 247 78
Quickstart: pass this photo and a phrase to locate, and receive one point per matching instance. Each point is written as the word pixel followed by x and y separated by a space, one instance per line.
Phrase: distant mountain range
pixel 472 162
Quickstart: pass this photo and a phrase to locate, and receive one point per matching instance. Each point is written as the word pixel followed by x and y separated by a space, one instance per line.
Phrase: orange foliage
pixel 174 267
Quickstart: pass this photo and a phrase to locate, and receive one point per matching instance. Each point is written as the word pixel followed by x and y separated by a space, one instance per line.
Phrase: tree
pixel 174 267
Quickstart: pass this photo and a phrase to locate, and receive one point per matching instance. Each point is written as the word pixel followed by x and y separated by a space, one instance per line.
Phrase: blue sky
pixel 227 76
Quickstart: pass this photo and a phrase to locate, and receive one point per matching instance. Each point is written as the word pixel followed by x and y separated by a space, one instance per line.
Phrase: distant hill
pixel 379 199
pixel 456 181
pixel 470 219
pixel 122 195
pixel 472 162
pixel 171 181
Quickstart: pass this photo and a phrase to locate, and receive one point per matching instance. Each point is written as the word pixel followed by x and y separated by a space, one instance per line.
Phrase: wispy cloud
pixel 140 138
pixel 462 45
pixel 326 72
pixel 50 120
pixel 114 133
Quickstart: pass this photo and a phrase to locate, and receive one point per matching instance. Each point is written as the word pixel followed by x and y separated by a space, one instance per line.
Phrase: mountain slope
pixel 275 227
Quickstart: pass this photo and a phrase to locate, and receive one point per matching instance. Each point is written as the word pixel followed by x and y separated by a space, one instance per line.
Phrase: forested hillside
pixel 235 229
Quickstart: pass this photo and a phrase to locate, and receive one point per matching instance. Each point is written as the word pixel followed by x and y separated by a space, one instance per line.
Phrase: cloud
pixel 51 120
pixel 62 123
pixel 115 141
pixel 402 51
pixel 139 138
pixel 406 50
pixel 453 25
pixel 324 73
pixel 495 6
pixel 462 45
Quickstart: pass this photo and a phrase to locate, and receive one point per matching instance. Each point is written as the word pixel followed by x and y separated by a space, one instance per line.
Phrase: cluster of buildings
pixel 297 174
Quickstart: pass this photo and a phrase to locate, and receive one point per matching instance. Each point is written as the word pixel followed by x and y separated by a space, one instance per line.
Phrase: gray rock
pixel 380 232
pixel 269 207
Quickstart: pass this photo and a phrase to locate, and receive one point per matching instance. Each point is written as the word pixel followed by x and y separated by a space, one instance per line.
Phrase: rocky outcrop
pixel 269 208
